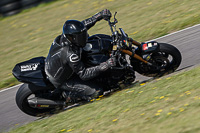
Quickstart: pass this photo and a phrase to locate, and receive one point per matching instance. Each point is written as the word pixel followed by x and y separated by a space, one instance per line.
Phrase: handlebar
pixel 115 35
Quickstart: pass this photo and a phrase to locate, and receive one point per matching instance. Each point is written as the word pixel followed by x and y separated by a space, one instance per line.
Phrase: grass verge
pixel 30 33
pixel 170 104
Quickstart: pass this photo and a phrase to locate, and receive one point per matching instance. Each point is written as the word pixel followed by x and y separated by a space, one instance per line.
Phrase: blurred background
pixel 28 27
pixel 12 7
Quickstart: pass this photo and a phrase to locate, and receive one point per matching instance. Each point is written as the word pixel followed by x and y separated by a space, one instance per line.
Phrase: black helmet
pixel 76 32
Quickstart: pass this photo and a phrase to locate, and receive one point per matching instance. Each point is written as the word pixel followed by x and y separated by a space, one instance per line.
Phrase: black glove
pixel 104 14
pixel 108 64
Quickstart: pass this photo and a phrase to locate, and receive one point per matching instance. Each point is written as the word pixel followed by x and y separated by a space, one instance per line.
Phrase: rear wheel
pixel 165 61
pixel 24 93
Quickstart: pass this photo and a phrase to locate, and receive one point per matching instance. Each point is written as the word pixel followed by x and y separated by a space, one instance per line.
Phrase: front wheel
pixel 165 61
pixel 25 92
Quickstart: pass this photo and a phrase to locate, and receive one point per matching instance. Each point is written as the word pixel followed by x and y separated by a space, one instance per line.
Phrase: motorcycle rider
pixel 63 65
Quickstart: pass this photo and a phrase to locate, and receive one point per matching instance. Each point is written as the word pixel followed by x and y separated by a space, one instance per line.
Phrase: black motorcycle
pixel 37 96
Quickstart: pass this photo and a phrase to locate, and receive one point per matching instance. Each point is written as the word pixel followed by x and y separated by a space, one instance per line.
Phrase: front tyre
pixel 168 59
pixel 25 92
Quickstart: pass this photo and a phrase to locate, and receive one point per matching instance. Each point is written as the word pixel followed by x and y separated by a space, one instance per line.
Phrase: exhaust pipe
pixel 37 102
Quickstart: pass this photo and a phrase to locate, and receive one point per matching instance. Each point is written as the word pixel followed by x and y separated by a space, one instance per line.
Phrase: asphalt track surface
pixel 187 41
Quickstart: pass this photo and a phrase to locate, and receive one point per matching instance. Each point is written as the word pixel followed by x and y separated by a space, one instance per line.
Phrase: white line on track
pixel 150 40
pixel 177 32
pixel 10 88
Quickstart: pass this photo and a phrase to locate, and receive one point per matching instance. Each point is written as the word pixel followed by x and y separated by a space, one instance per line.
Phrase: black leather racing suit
pixel 65 69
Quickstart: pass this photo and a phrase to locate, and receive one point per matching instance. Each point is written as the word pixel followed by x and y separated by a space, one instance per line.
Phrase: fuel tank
pixel 97 49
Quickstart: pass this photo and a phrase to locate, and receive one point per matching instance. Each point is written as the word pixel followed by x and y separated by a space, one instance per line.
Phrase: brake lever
pixel 115 20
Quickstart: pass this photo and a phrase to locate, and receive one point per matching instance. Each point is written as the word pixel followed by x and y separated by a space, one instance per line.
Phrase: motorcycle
pixel 37 96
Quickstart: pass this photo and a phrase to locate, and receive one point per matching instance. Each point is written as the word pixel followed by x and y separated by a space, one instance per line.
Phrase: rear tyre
pixel 24 92
pixel 168 58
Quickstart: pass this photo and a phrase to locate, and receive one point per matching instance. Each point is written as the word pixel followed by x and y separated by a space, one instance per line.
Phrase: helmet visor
pixel 80 39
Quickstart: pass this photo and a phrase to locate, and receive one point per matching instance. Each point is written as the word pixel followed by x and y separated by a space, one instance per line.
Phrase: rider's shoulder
pixel 57 39
pixel 57 42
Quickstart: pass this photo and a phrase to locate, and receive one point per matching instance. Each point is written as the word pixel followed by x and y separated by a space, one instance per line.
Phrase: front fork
pixel 134 55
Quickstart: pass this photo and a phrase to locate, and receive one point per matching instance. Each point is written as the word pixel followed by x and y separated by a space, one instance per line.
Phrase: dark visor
pixel 80 39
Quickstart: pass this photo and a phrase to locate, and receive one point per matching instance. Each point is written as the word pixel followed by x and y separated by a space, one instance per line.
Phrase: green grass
pixel 30 33
pixel 169 105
